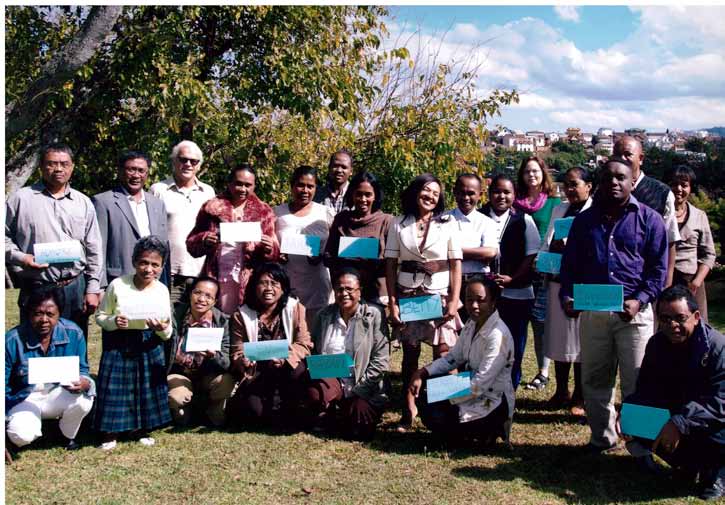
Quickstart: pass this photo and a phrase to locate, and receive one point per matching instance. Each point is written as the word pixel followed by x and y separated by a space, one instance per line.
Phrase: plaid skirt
pixel 131 386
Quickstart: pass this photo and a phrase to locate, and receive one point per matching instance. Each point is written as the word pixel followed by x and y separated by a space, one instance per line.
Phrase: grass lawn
pixel 200 466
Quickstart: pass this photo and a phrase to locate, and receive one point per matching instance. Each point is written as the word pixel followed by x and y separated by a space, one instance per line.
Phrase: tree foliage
pixel 277 86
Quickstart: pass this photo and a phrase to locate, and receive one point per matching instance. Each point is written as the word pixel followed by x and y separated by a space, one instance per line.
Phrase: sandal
pixel 538 383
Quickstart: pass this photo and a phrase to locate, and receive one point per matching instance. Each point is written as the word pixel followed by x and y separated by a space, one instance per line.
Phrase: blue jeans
pixel 516 315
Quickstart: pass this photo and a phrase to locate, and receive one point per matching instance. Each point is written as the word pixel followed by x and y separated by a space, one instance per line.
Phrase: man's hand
pixel 267 244
pixel 28 261
pixel 90 303
pixel 669 438
pixel 277 363
pixel 80 386
pixel 569 309
pixel 502 280
pixel 631 308
pixel 693 286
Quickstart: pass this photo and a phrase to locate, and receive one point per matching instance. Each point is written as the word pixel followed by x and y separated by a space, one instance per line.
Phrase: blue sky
pixel 654 67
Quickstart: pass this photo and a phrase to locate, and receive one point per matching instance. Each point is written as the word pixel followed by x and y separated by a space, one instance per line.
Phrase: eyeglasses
pixel 680 320
pixel 342 289
pixel 270 284
pixel 56 164
pixel 200 294
pixel 184 161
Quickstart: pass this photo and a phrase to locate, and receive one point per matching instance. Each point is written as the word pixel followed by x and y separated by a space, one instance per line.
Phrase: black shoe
pixel 72 445
pixel 649 465
pixel 592 449
pixel 714 486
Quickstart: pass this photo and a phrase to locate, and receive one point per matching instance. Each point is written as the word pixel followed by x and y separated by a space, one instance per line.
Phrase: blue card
pixel 420 308
pixel 267 349
pixel 449 387
pixel 562 227
pixel 327 366
pixel 599 297
pixel 641 421
pixel 548 262
pixel 359 247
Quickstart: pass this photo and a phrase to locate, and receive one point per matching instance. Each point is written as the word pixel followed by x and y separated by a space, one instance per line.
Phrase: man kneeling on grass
pixel 486 349
pixel 683 371
pixel 44 334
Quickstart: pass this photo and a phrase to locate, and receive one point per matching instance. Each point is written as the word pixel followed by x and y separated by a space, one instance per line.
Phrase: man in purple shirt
pixel 616 241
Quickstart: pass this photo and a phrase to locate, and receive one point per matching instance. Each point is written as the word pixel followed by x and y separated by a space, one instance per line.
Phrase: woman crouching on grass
pixel 486 349
pixel 351 327
pixel 132 390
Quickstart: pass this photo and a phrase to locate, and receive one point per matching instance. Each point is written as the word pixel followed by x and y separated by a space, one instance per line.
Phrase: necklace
pixel 423 224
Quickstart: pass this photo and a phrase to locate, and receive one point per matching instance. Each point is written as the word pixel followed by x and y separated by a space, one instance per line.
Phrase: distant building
pixel 573 133
pixel 605 132
pixel 552 137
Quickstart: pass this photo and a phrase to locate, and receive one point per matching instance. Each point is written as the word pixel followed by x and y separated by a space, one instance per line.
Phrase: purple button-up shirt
pixel 631 252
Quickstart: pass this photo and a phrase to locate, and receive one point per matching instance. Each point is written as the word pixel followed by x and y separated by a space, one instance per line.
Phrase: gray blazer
pixel 119 232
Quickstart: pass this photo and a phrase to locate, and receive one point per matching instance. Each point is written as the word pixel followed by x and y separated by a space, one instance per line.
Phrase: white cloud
pixel 567 12
pixel 669 72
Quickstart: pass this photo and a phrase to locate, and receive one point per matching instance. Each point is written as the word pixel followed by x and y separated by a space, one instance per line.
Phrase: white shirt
pixel 182 207
pixel 533 242
pixel 475 230
pixel 339 341
pixel 673 230
pixel 140 213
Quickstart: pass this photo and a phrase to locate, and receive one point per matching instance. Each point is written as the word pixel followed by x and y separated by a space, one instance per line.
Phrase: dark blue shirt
pixel 21 343
pixel 632 252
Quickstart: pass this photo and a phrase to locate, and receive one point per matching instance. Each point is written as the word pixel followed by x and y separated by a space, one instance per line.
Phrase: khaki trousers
pixel 216 389
pixel 607 342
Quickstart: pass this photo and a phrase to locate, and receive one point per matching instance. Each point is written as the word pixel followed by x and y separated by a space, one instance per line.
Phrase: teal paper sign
pixel 327 366
pixel 267 349
pixel 449 387
pixel 420 308
pixel 643 422
pixel 359 247
pixel 562 227
pixel 548 262
pixel 599 297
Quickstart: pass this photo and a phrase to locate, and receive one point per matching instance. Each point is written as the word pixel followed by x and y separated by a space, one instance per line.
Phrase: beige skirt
pixel 433 331
pixel 561 333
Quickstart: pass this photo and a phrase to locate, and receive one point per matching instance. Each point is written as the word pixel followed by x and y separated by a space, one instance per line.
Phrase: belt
pixel 429 267
pixel 57 284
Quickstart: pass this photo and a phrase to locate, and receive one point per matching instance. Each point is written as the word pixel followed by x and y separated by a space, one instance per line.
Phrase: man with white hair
pixel 183 194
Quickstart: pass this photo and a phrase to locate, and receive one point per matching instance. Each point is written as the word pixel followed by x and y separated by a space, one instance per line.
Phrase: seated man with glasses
pixel 198 381
pixel 683 371
pixel 352 327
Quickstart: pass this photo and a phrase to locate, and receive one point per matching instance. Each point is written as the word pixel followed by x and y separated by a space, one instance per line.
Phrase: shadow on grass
pixel 576 477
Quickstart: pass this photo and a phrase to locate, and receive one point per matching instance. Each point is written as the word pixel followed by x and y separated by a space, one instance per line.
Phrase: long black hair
pixel 409 196
pixel 359 179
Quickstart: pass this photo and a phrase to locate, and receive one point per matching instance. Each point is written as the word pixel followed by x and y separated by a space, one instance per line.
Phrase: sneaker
pixel 107 446
pixel 147 441
pixel 539 382
pixel 590 448
pixel 72 445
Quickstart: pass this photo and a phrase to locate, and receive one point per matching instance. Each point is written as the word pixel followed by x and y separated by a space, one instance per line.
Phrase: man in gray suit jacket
pixel 125 214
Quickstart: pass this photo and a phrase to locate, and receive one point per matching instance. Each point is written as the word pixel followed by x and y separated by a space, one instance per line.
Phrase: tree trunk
pixel 23 114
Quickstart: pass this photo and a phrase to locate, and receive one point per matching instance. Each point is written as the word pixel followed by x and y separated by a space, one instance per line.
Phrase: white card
pixel 232 233
pixel 58 252
pixel 63 369
pixel 204 339
pixel 138 314
pixel 303 245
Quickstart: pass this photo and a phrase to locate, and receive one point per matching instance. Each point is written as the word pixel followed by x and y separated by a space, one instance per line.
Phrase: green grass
pixel 200 466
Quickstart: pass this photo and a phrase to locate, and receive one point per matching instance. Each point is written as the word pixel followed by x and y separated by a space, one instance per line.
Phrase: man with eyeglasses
pixel 183 194
pixel 51 211
pixel 683 371
pixel 127 213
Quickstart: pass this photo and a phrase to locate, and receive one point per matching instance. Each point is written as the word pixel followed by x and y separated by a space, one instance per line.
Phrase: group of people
pixel 162 253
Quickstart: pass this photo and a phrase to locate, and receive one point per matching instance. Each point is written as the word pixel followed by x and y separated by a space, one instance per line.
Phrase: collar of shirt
pixel 497 218
pixel 460 216
pixel 639 179
pixel 340 194
pixel 40 187
pixel 131 198
pixel 194 187
pixel 632 204
pixel 204 322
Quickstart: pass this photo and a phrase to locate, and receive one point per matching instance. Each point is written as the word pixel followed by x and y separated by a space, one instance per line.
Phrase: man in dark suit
pixel 125 214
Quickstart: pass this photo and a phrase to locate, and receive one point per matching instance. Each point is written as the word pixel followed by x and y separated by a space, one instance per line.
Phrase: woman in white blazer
pixel 423 257
pixel 485 348
pixel 561 333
